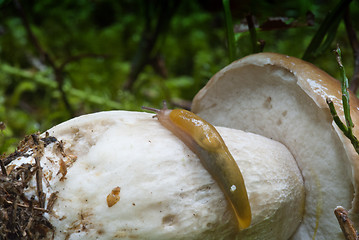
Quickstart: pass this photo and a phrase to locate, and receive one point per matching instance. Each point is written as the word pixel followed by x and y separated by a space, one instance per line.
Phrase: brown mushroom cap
pixel 284 98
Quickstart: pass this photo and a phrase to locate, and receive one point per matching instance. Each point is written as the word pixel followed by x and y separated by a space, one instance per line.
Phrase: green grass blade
pixel 332 18
pixel 230 32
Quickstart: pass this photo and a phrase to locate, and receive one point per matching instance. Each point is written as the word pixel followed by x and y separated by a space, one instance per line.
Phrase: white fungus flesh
pixel 158 188
pixel 284 98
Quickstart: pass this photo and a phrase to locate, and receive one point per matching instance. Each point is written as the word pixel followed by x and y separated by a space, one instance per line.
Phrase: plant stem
pixel 253 33
pixel 347 128
pixel 157 22
pixel 336 118
pixel 328 25
pixel 345 93
pixel 230 32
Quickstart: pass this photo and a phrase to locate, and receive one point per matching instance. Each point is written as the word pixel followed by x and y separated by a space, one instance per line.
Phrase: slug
pixel 204 140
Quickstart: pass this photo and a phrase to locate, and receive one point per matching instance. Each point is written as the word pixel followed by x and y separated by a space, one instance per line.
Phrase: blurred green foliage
pixel 185 54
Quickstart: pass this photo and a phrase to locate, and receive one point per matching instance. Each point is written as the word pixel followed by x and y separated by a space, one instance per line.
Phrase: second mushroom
pixel 284 98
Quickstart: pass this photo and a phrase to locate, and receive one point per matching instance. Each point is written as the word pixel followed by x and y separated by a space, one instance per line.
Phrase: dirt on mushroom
pixel 23 215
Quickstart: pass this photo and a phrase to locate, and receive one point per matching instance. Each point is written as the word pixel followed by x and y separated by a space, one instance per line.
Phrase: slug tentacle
pixel 158 111
pixel 204 140
pixel 151 109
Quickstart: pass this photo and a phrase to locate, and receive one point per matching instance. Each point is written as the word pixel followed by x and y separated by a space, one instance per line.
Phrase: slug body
pixel 204 140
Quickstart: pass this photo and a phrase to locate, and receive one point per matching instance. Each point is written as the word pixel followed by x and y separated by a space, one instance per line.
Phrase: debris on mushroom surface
pixel 160 189
pixel 284 98
pixel 113 197
pixel 23 201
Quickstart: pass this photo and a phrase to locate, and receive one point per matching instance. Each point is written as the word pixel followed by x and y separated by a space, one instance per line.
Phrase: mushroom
pixel 284 98
pixel 122 175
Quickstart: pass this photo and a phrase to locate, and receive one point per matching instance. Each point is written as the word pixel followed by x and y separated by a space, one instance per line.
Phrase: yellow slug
pixel 204 140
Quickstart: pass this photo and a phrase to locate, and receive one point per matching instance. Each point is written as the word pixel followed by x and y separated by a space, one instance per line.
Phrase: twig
pixel 40 192
pixel 45 56
pixel 51 201
pixel 21 217
pixel 150 35
pixel 346 224
pixel 14 210
pixel 26 231
pixel 26 206
pixel 3 169
pixel 257 46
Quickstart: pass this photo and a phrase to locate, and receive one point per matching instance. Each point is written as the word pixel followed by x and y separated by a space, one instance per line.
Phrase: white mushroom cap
pixel 158 188
pixel 284 98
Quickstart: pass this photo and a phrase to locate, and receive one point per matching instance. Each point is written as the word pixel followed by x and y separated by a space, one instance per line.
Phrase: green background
pixel 80 55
